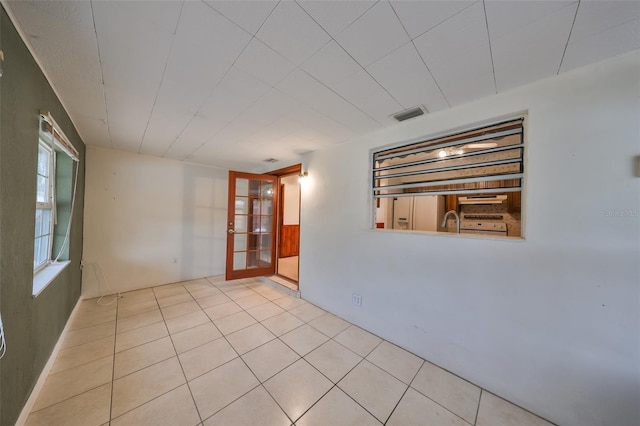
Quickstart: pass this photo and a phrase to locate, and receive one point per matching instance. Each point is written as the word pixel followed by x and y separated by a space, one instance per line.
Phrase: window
pixel 45 201
pixel 56 181
pixel 465 182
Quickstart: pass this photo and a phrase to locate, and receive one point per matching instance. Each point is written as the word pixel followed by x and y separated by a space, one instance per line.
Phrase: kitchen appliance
pixel 483 224
pixel 482 199
pixel 418 213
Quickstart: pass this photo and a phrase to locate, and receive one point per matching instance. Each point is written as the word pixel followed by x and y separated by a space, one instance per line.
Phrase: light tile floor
pixel 212 352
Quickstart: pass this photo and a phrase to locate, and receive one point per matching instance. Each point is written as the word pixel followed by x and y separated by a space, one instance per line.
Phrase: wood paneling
pixel 289 240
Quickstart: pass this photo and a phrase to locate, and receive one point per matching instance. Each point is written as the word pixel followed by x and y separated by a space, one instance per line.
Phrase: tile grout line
pixel 261 383
pixel 405 391
pixel 475 420
pixel 113 362
pixel 245 364
pixel 186 380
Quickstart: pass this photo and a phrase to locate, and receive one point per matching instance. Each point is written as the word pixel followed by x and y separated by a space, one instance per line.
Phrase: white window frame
pixel 46 271
pixel 49 204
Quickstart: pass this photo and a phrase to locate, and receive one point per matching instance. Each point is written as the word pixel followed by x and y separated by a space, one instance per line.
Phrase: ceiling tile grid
pixel 375 34
pixel 264 63
pixel 544 40
pixel 407 79
pixel 458 54
pixel 229 83
pixel 418 17
pixel 292 33
pixel 248 14
pixel 602 30
pixel 336 15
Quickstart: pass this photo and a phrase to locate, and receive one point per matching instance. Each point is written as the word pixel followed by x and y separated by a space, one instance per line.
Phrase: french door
pixel 251 225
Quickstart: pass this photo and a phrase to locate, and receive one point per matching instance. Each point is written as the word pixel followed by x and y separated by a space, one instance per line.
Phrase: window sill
pixel 46 276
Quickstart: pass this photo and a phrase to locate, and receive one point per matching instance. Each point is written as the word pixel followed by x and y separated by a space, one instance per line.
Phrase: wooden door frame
pixel 285 171
pixel 230 274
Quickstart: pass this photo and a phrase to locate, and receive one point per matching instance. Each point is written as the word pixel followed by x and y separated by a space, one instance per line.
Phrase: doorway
pixel 289 223
pixel 288 247
pixel 263 225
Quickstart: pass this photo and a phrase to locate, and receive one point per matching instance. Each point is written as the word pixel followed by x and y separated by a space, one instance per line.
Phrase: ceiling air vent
pixel 409 113
pixel 270 160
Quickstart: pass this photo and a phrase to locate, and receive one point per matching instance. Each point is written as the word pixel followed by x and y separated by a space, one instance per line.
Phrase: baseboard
pixel 26 410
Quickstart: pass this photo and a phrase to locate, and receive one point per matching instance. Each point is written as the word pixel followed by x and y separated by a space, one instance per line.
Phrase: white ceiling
pixel 231 83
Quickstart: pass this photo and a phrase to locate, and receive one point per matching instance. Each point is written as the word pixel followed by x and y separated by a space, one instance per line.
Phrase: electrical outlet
pixel 356 299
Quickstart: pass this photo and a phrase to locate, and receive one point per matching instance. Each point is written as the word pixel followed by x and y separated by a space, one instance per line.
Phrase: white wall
pixel 291 214
pixel 550 323
pixel 150 221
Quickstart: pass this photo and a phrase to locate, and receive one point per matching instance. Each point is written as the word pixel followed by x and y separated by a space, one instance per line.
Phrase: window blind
pixel 50 127
pixel 482 160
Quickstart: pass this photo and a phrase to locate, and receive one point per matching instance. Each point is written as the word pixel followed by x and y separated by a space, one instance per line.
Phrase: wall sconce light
pixel 302 177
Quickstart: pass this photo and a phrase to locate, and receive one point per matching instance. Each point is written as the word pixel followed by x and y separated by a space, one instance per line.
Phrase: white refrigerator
pixel 418 213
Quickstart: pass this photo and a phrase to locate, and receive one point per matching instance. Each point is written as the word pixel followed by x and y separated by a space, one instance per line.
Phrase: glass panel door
pixel 250 225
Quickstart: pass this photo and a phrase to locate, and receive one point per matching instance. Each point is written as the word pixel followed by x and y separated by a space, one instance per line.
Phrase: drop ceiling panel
pixel 614 41
pixel 292 33
pixel 125 132
pixel 464 33
pixel 163 14
pixel 237 130
pixel 331 64
pixel 505 17
pixel 199 131
pixel 227 157
pixel 271 107
pixel 163 128
pixel 131 110
pixel 595 17
pixel 87 101
pixel 309 118
pixel 299 85
pixel 365 93
pixel 404 75
pixel 248 14
pixel 133 54
pixel 268 135
pixel 544 40
pixel 336 15
pixel 466 78
pixel 264 63
pixel 375 34
pixel 317 137
pixel 94 131
pixel 421 16
pixel 210 32
pixel 235 93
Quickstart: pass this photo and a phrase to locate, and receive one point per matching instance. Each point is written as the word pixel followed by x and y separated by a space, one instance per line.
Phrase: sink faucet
pixel 446 215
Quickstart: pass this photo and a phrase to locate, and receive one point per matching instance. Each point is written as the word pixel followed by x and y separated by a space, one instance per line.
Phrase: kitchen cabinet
pixel 452 202
pixel 514 201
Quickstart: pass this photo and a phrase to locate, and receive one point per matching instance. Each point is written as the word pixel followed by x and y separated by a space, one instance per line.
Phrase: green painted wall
pixel 32 325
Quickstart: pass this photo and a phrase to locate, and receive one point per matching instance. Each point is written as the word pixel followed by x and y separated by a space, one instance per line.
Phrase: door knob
pixel 231 231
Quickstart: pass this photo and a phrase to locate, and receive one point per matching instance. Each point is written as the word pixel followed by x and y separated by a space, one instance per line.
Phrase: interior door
pixel 251 225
